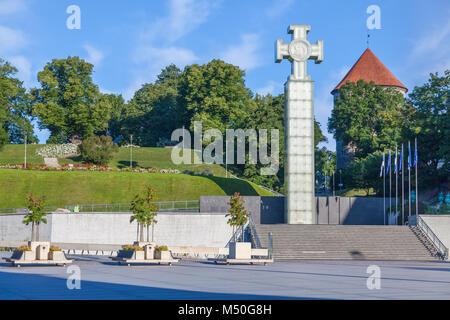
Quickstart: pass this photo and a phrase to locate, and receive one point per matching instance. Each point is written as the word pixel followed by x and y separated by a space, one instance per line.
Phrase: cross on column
pixel 299 51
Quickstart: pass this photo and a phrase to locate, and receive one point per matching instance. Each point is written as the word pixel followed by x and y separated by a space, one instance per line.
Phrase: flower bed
pixel 85 168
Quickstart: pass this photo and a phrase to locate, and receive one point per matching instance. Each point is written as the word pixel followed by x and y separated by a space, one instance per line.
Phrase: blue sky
pixel 130 41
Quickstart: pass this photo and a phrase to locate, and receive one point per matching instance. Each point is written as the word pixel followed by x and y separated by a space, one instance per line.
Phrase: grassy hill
pixel 66 188
pixel 143 157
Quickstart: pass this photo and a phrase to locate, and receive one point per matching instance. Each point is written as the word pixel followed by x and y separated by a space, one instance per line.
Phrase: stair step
pixel 339 241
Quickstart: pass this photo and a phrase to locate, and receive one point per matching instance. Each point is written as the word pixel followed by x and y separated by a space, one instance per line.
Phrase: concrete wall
pixel 349 210
pixel 440 225
pixel 264 209
pixel 172 229
pixel 329 210
pixel 12 228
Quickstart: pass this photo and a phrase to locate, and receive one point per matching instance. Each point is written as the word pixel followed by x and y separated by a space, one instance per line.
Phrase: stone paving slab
pixel 104 279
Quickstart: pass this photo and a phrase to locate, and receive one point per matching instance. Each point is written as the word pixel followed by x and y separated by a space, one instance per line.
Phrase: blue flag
pixel 409 155
pixel 395 161
pixel 389 162
pixel 401 160
pixel 382 167
pixel 415 157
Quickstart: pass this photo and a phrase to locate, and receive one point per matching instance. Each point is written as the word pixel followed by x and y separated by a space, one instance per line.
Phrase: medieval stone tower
pixel 368 68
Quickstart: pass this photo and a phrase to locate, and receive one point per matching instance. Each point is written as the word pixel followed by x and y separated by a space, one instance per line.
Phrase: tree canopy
pixel 369 117
pixel 430 122
pixel 68 102
pixel 15 121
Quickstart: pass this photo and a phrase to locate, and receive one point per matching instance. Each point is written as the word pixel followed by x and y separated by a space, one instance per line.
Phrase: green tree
pixel 15 111
pixel 237 215
pixel 98 149
pixel 365 174
pixel 430 123
pixel 369 117
pixel 153 113
pixel 118 113
pixel 35 214
pixel 144 211
pixel 68 103
pixel 215 93
pixel 268 115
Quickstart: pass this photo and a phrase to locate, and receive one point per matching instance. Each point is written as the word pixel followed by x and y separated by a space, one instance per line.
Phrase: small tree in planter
pixel 145 211
pixel 237 214
pixel 138 215
pixel 151 210
pixel 35 214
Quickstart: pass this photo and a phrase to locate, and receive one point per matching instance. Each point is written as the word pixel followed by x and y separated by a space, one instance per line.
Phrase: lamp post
pixel 25 160
pixel 131 151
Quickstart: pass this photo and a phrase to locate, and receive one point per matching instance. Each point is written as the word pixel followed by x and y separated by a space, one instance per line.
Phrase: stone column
pixel 299 153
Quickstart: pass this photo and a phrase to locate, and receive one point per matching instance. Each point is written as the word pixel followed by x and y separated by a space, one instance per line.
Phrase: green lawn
pixel 143 157
pixel 66 188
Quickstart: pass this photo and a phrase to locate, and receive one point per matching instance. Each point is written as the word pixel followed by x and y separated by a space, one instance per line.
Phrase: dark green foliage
pixel 215 93
pixel 98 149
pixel 430 123
pixel 154 113
pixel 14 108
pixel 68 101
pixel 368 116
pixel 365 174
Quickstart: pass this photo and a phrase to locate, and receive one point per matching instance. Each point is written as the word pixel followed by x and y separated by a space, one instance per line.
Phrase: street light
pixel 131 151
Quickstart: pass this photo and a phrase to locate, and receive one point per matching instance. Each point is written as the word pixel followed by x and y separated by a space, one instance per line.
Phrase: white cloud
pixel 278 8
pixel 272 87
pixel 245 55
pixel 156 48
pixel 184 16
pixel 95 56
pixel 152 60
pixel 24 68
pixel 430 52
pixel 11 40
pixel 11 6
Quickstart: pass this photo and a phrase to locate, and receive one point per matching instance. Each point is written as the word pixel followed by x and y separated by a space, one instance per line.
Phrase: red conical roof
pixel 370 68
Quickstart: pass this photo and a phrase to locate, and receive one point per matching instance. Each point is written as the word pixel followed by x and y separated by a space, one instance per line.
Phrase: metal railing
pixel 443 250
pixel 253 234
pixel 187 205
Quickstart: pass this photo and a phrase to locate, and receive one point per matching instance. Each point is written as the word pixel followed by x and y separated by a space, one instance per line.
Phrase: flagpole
pixel 384 195
pixel 403 188
pixel 409 179
pixel 390 184
pixel 396 182
pixel 416 164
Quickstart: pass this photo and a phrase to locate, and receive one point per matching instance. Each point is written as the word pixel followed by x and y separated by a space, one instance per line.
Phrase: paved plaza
pixel 102 279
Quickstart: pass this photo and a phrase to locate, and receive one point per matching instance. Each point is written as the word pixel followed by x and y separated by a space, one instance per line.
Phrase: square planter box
pixel 56 256
pixel 131 255
pixel 162 255
pixel 149 252
pixel 23 255
pixel 240 250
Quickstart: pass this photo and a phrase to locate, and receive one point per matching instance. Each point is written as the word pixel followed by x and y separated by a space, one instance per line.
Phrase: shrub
pixel 132 247
pixel 24 248
pixel 98 149
pixel 162 248
pixel 55 248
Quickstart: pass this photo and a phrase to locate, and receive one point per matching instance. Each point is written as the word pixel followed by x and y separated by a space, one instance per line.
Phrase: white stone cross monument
pixel 299 125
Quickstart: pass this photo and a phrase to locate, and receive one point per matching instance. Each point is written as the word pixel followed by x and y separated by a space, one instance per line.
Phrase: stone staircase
pixel 347 242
